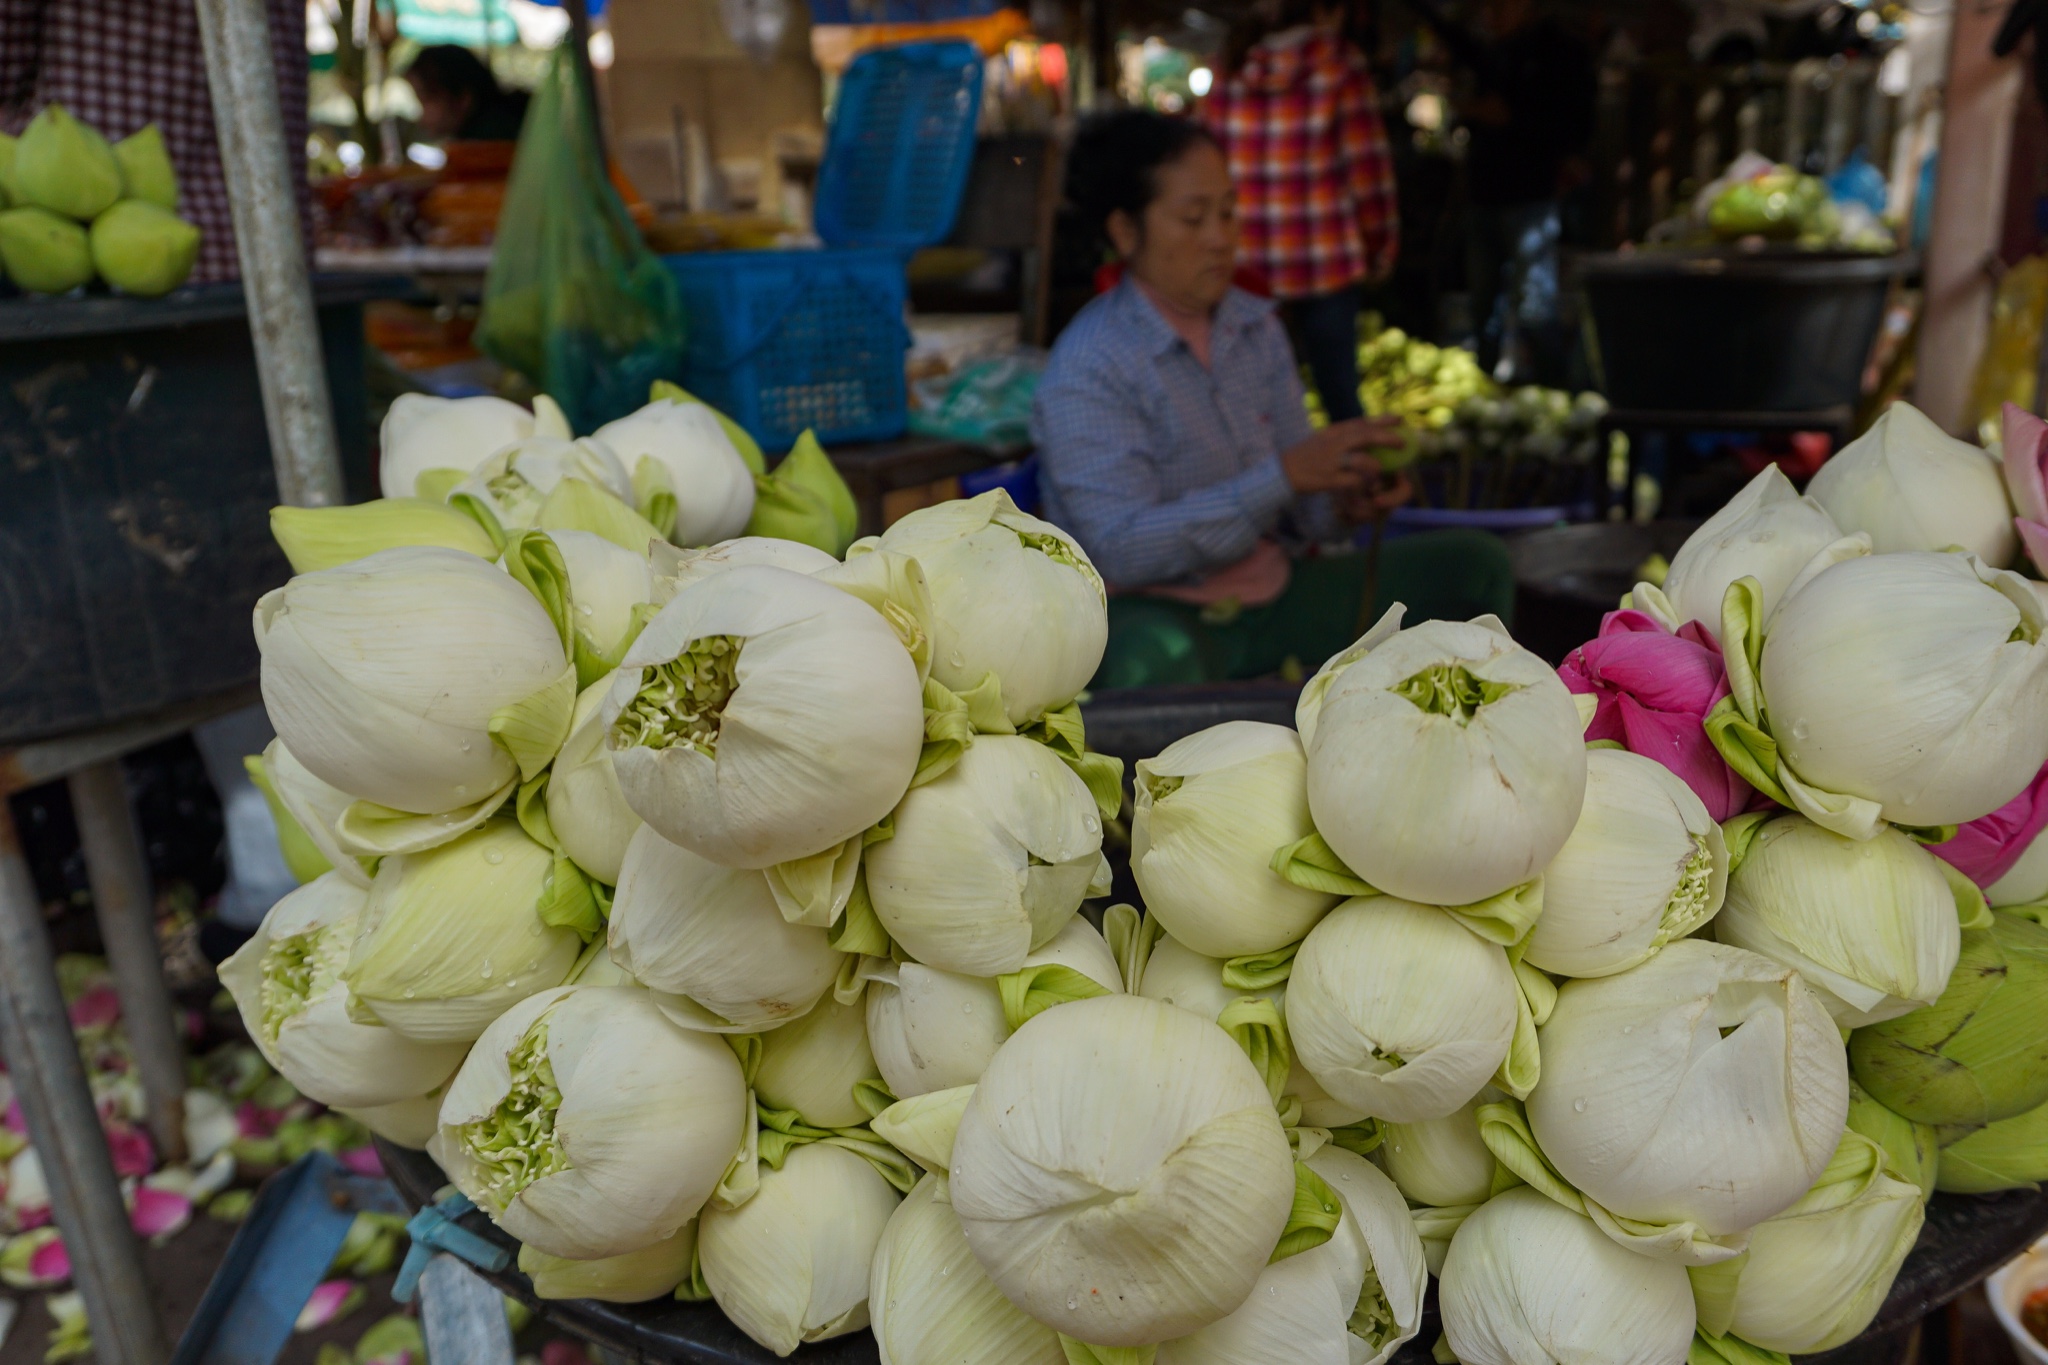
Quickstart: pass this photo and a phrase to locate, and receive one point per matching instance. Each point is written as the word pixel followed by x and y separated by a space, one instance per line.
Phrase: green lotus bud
pixel 1978 1054
pixel 7 146
pixel 44 253
pixel 807 466
pixel 146 167
pixel 65 166
pixel 143 250
pixel 791 511
pixel 2011 1154
pixel 1911 1148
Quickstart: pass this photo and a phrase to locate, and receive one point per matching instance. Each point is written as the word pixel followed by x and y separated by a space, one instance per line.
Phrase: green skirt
pixel 1438 575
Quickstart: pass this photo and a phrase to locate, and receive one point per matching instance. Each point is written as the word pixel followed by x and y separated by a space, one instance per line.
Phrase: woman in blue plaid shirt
pixel 1175 446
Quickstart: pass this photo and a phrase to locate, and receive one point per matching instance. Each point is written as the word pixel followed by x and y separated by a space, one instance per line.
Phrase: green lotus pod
pixel 65 166
pixel 44 253
pixel 1978 1054
pixel 142 249
pixel 146 167
pixel 2011 1154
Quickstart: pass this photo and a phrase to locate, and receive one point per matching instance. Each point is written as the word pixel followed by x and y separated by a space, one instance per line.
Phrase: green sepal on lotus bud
pixel 1979 1053
pixel 1912 1150
pixel 142 249
pixel 44 252
pixel 652 1272
pixel 587 1125
pixel 315 538
pixel 65 166
pixel 2011 1154
pixel 1815 1275
pixel 286 980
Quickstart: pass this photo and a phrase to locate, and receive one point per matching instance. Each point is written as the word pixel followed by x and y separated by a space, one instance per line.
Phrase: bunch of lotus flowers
pixel 714 918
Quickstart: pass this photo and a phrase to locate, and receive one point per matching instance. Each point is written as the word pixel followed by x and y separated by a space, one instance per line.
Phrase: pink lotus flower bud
pixel 1989 847
pixel 1653 689
pixel 2026 476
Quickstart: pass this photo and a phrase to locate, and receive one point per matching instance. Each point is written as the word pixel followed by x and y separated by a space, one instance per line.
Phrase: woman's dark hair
pixel 454 71
pixel 1115 160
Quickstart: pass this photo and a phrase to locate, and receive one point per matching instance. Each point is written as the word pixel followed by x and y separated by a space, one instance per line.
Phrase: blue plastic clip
pixel 434 1229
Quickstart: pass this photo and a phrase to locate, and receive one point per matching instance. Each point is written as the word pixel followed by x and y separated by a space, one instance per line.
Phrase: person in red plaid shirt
pixel 1298 117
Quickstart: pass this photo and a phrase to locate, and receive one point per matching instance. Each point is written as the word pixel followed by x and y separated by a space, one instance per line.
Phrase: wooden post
pixel 122 899
pixel 50 1082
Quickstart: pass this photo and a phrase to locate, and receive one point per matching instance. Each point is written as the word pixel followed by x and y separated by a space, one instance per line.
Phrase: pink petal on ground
pixel 329 1301
pixel 254 1122
pixel 15 1119
pixel 27 1220
pixel 363 1161
pixel 158 1213
pixel 131 1150
pixel 97 1008
pixel 563 1352
pixel 51 1263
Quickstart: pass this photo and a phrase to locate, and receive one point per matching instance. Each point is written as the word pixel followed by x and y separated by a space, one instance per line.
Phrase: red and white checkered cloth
pixel 1300 124
pixel 121 64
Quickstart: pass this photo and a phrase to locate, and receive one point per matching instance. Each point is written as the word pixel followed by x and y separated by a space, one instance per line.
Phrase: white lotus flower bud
pixel 792 1264
pixel 1918 682
pixel 1767 532
pixel 408 1123
pixel 585 808
pixel 606 582
pixel 1012 596
pixel 451 938
pixel 1912 486
pixel 1645 865
pixel 700 467
pixel 1442 1162
pixel 990 859
pixel 1817 1273
pixel 286 981
pixel 1399 1010
pixel 315 805
pixel 1706 1087
pixel 392 678
pixel 1211 811
pixel 1445 765
pixel 681 923
pixel 934 1030
pixel 1087 1106
pixel 764 716
pixel 930 1301
pixel 515 483
pixel 1529 1280
pixel 1872 925
pixel 587 1125
pixel 812 1065
pixel 1354 1300
pixel 652 1272
pixel 453 434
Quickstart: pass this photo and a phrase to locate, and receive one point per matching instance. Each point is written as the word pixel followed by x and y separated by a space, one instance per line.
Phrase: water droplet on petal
pixel 1072 1304
pixel 1578 1106
pixel 956 661
pixel 494 857
pixel 1800 729
pixel 586 609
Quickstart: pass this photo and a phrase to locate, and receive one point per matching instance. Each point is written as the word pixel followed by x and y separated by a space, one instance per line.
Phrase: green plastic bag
pixel 575 301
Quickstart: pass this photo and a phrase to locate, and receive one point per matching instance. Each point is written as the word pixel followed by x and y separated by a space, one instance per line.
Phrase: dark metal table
pixel 875 471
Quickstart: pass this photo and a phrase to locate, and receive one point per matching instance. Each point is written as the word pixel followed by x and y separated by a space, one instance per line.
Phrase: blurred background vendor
pixel 460 100
pixel 1174 444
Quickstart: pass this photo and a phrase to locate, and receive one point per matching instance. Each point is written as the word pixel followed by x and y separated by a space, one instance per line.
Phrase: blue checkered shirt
pixel 1164 470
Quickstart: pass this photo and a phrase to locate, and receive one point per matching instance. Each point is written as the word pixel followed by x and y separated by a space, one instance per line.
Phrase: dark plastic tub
pixel 1765 332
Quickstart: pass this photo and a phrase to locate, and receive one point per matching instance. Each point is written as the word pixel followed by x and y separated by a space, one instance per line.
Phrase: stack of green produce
pixel 74 208
pixel 738 954
pixel 1472 443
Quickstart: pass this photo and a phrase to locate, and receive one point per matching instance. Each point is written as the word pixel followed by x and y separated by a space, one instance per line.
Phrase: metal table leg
pixel 49 1080
pixel 119 873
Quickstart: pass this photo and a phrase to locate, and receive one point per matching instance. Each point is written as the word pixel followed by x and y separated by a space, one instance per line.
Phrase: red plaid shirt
pixel 119 64
pixel 1300 123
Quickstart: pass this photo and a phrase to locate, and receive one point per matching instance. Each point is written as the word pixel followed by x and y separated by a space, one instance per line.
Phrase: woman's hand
pixel 1374 503
pixel 1334 459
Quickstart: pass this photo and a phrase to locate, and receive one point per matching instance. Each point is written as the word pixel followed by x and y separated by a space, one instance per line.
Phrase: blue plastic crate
pixel 784 340
pixel 900 146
